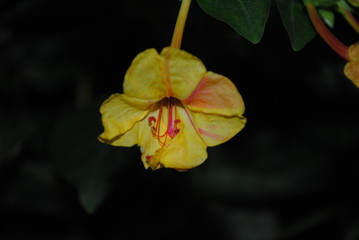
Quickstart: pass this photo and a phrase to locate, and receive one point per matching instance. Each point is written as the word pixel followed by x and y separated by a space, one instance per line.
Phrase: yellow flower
pixel 351 69
pixel 173 109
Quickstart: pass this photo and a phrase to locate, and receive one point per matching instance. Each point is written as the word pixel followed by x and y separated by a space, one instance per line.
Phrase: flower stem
pixel 181 21
pixel 351 19
pixel 323 31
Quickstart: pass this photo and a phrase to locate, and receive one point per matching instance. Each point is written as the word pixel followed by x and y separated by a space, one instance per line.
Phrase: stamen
pixel 172 121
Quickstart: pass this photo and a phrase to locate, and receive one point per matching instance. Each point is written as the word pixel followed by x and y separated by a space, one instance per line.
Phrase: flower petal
pixel 141 134
pixel 127 139
pixel 216 94
pixel 148 143
pixel 351 70
pixel 184 151
pixel 217 129
pixel 146 78
pixel 353 52
pixel 183 70
pixel 120 113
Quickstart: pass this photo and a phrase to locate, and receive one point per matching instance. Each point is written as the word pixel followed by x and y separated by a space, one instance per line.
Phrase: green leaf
pixel 327 16
pixel 325 3
pixel 82 160
pixel 296 22
pixel 247 17
pixel 322 3
pixel 343 5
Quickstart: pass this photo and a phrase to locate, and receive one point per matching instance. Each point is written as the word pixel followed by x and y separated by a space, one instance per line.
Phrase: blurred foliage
pixel 328 17
pixel 290 174
pixel 296 23
pixel 355 3
pixel 247 17
pixel 81 160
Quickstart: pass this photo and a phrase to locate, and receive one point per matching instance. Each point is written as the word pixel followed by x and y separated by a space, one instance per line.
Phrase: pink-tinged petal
pixel 146 78
pixel 183 72
pixel 120 113
pixel 216 129
pixel 215 94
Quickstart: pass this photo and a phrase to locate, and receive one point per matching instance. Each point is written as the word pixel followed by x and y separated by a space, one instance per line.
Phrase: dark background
pixel 292 173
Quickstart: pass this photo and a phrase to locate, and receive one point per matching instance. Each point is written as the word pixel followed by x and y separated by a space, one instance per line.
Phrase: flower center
pixel 164 127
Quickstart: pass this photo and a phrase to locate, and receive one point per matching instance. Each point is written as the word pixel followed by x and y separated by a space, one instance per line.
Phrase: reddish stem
pixel 323 31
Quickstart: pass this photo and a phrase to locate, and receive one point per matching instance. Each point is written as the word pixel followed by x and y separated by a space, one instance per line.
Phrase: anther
pixel 150 120
pixel 148 158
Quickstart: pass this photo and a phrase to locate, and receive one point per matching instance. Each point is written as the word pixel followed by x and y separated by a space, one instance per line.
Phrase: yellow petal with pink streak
pixel 215 94
pixel 183 72
pixel 216 129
